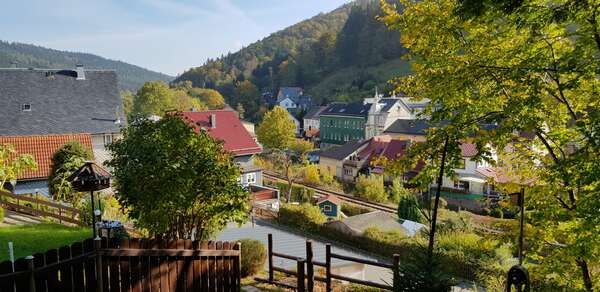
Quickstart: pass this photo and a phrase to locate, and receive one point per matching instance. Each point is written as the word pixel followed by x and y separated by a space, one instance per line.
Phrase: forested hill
pixel 340 55
pixel 131 77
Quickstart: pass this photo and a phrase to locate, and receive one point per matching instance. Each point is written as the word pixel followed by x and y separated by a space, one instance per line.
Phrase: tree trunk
pixel 289 192
pixel 587 278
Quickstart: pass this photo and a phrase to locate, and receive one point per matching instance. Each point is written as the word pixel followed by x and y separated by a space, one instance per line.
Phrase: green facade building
pixel 343 122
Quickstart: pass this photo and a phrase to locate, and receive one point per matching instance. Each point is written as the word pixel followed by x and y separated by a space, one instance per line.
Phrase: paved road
pixel 12 218
pixel 287 242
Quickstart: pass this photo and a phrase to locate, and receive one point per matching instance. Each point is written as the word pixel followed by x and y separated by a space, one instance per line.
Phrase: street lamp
pixel 91 177
pixel 518 276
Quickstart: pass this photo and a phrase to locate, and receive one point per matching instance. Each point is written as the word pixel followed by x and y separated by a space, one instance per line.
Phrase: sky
pixel 168 36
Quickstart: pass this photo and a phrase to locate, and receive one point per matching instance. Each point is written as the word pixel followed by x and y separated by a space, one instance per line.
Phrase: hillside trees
pixel 183 184
pixel 526 71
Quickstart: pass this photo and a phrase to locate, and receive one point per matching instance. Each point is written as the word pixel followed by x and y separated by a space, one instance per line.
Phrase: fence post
pixel 301 275
pixel 97 247
pixel 396 279
pixel 310 274
pixel 270 253
pixel 328 267
pixel 31 273
pixel 60 215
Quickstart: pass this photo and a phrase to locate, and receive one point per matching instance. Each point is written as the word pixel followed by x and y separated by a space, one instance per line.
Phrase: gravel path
pixel 12 218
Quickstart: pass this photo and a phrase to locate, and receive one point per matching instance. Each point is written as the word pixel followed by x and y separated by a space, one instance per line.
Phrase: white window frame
pixel 251 178
pixel 26 107
pixel 327 208
pixel 108 138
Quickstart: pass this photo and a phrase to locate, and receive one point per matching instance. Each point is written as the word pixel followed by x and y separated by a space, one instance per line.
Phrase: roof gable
pixel 59 102
pixel 42 147
pixel 228 129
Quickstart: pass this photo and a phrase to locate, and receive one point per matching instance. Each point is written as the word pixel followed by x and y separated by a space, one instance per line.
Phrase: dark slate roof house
pixel 42 101
pixel 289 92
pixel 347 109
pixel 410 127
pixel 341 152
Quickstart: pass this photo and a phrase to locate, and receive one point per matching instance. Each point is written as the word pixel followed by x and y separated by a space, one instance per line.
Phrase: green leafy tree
pixel 13 164
pixel 370 187
pixel 212 98
pixel 398 191
pixel 182 183
pixel 526 67
pixel 127 97
pixel 66 160
pixel 154 98
pixel 291 162
pixel 276 131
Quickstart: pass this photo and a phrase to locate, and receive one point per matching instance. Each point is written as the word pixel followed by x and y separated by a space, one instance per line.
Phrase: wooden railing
pixel 127 265
pixel 39 207
pixel 305 268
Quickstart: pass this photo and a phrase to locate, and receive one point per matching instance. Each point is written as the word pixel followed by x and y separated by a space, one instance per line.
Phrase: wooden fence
pixel 305 269
pixel 39 207
pixel 127 265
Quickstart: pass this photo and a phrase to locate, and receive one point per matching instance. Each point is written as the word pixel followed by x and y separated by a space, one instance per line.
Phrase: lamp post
pixel 89 178
pixel 518 276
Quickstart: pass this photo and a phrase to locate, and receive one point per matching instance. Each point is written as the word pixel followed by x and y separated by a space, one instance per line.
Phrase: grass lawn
pixel 30 239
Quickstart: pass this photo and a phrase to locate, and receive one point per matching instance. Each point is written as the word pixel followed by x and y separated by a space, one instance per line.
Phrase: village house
pixel 346 162
pixel 413 130
pixel 311 123
pixel 53 106
pixel 330 206
pixel 293 99
pixel 225 125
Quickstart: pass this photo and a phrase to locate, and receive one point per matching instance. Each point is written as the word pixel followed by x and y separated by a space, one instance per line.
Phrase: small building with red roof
pixel 329 205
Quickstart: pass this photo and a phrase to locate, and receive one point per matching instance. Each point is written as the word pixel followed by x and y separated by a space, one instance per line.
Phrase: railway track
pixel 342 196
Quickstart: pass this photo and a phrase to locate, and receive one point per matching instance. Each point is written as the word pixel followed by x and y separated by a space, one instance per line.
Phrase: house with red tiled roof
pixel 41 147
pixel 225 125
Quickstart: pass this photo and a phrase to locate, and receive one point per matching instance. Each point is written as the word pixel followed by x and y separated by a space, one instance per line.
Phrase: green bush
pixel 387 236
pixel 352 209
pixel 254 255
pixel 371 188
pixel 408 208
pixel 497 212
pixel 306 217
pixel 1 214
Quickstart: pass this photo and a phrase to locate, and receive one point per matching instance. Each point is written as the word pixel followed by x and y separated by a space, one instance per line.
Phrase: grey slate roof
pixel 388 103
pixel 314 112
pixel 383 221
pixel 343 151
pixel 60 103
pixel 347 109
pixel 289 92
pixel 412 127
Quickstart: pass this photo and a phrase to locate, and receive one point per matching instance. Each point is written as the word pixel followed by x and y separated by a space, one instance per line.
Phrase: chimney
pixel 80 72
pixel 213 121
pixel 13 64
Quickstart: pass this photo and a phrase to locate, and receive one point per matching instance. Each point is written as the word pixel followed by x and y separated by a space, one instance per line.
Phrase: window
pixel 327 208
pixel 461 184
pixel 26 107
pixel 108 138
pixel 251 178
pixel 347 171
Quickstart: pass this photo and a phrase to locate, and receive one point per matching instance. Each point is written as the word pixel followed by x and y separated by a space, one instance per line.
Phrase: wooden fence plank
pixel 40 282
pixel 105 266
pixel 52 276
pixel 181 270
pixel 22 280
pixel 66 274
pixel 6 284
pixel 90 267
pixel 145 268
pixel 212 279
pixel 172 271
pixel 113 268
pixel 226 268
pixel 136 283
pixel 78 268
pixel 164 269
pixel 155 267
pixel 125 274
pixel 219 268
pixel 188 266
pixel 237 268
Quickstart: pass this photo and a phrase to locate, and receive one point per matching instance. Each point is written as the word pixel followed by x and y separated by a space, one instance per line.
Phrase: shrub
pixel 254 255
pixel 353 209
pixel 408 208
pixel 387 236
pixel 305 216
pixel 311 174
pixel 497 212
pixel 1 214
pixel 65 161
pixel 371 187
pixel 397 191
pixel 111 209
